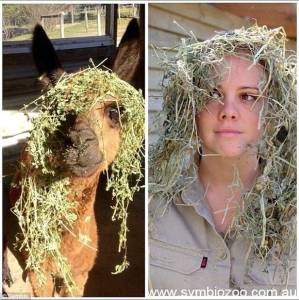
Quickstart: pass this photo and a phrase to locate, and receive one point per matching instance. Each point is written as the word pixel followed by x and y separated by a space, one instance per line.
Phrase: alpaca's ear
pixel 129 57
pixel 45 57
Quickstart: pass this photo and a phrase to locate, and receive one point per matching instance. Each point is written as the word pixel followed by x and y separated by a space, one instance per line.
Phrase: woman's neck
pixel 220 172
pixel 224 181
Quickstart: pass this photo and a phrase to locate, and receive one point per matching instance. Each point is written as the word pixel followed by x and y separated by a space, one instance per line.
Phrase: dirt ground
pixel 100 283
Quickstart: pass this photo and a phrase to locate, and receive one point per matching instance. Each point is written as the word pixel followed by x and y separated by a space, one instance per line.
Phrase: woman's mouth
pixel 228 132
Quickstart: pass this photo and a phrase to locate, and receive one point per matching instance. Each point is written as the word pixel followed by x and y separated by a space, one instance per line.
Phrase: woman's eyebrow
pixel 242 87
pixel 249 88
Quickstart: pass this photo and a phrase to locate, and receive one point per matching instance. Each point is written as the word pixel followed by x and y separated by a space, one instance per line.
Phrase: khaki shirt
pixel 187 253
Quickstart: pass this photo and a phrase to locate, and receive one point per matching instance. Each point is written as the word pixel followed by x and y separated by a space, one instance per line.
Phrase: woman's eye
pixel 249 98
pixel 215 94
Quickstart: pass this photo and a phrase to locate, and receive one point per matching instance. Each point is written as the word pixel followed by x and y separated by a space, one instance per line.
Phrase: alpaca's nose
pixel 83 156
pixel 81 135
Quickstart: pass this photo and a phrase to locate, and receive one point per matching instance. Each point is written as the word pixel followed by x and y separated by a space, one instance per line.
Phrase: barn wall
pixel 202 19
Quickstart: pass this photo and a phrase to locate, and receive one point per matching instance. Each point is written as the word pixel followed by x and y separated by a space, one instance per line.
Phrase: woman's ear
pixel 45 58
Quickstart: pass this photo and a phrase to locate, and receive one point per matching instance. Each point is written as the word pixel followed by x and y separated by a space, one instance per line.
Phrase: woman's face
pixel 229 128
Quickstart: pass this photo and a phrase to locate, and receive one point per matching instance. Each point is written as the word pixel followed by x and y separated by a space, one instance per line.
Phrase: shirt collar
pixel 193 194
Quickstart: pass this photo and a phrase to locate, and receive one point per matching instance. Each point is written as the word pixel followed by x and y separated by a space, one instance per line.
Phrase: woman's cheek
pixel 255 127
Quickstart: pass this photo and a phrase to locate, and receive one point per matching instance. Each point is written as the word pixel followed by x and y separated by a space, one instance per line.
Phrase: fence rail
pixel 61 16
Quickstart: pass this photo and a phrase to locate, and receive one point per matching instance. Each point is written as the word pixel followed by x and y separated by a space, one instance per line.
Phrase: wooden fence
pixel 99 12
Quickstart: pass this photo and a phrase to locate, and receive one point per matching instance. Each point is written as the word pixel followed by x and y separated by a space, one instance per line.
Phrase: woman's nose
pixel 228 110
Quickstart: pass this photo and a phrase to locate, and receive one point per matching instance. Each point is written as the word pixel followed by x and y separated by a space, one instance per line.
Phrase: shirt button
pixel 223 256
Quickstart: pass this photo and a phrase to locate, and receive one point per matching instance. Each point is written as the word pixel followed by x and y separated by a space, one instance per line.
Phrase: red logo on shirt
pixel 204 262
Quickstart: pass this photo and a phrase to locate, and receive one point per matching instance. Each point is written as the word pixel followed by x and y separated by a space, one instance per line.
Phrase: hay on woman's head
pixel 256 55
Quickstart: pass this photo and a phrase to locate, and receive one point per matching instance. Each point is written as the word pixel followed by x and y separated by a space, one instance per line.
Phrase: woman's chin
pixel 231 152
pixel 235 155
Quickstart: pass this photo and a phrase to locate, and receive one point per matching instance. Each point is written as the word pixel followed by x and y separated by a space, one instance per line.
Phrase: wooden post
pixel 111 21
pixel 72 13
pixel 86 19
pixel 99 21
pixel 62 24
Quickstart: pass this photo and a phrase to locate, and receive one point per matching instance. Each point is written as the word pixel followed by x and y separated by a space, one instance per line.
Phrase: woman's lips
pixel 228 132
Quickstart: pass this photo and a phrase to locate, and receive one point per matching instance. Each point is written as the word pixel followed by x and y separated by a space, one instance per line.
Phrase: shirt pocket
pixel 175 258
pixel 273 274
pixel 177 267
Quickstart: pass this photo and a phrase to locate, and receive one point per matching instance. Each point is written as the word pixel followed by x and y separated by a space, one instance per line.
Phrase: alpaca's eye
pixel 113 113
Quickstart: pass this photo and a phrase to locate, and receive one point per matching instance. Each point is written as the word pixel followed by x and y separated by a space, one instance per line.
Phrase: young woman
pixel 223 197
